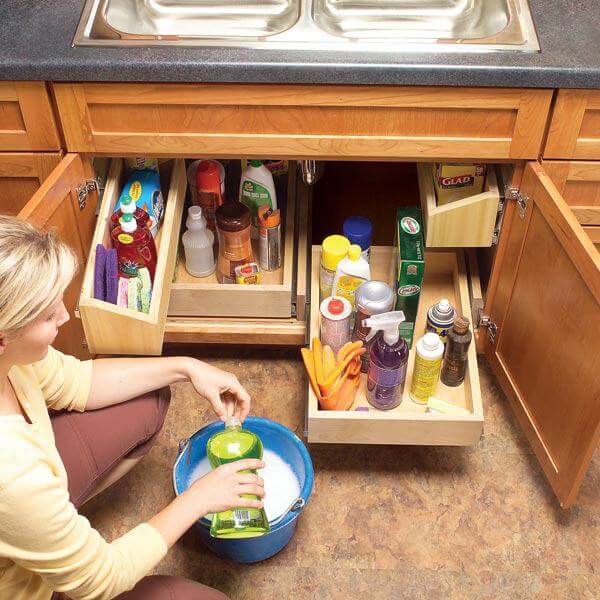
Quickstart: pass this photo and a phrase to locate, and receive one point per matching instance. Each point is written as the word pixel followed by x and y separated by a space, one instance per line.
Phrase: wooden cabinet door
pixel 544 299
pixel 55 204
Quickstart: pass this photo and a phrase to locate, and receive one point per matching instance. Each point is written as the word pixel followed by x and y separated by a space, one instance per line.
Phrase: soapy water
pixel 281 484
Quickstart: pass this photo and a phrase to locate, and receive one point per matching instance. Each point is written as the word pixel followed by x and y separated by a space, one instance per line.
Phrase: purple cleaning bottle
pixel 388 358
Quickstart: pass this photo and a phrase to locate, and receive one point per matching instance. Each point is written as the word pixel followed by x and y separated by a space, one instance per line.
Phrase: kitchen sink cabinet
pixel 540 319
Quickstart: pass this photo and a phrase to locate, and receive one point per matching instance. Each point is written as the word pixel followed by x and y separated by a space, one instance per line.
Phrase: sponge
pixel 100 273
pixel 112 276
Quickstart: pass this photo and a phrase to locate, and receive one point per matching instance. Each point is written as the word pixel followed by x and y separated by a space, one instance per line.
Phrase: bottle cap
pixel 354 252
pixel 256 163
pixel 359 231
pixel 431 341
pixel 335 306
pixel 461 325
pixel 374 297
pixel 127 205
pixel 195 213
pixel 128 223
pixel 444 307
pixel 388 323
pixel 232 421
pixel 335 248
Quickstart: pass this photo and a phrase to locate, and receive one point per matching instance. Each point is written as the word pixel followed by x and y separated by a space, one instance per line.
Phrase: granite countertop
pixel 35 44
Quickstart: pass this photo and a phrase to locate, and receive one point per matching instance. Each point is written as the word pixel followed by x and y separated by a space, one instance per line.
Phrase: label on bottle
pixel 125 238
pixel 253 196
pixel 346 287
pixel 241 517
pixel 135 190
pixel 425 378
pixel 441 330
pixel 385 377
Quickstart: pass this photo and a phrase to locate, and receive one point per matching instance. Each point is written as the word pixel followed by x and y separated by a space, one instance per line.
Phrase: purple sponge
pixel 112 276
pixel 100 273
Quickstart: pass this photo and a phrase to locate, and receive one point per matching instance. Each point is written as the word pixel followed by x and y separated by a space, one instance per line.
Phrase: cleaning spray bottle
pixel 257 188
pixel 388 358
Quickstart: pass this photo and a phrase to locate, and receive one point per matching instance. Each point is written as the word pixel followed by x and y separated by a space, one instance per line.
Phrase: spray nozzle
pixel 388 323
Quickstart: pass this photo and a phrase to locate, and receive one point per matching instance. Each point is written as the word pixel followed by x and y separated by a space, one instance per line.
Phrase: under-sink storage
pixel 469 222
pixel 409 423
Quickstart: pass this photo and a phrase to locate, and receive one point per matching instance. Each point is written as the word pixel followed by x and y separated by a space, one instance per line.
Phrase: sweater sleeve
pixel 65 381
pixel 41 531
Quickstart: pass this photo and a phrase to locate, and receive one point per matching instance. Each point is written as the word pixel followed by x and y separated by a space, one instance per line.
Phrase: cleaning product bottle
pixel 428 362
pixel 198 244
pixel 256 189
pixel 359 231
pixel 128 206
pixel 229 445
pixel 440 317
pixel 135 247
pixel 351 271
pixel 334 249
pixel 388 357
pixel 455 359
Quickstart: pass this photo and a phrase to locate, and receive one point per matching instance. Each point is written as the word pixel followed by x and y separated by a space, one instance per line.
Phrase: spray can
pixel 269 237
pixel 440 318
pixel 335 322
pixel 428 362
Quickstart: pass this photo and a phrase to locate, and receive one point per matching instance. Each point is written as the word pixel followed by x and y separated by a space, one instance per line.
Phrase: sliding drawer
pixel 464 223
pixel 111 329
pixel 409 423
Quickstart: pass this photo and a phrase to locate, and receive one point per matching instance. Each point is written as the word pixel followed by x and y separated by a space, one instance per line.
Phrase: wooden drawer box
pixel 409 423
pixel 464 223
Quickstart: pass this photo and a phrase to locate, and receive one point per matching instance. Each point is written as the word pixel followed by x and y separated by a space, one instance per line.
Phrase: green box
pixel 410 266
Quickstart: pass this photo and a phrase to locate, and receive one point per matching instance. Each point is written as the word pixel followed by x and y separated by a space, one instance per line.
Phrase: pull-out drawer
pixel 409 423
pixel 199 310
pixel 464 223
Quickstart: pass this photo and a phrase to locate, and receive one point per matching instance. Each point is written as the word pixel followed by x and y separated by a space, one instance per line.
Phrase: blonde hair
pixel 35 269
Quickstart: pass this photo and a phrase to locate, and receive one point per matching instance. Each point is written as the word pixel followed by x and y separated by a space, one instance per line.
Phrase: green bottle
pixel 230 445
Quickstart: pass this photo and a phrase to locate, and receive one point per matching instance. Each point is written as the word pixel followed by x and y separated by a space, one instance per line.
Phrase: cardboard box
pixel 455 181
pixel 410 266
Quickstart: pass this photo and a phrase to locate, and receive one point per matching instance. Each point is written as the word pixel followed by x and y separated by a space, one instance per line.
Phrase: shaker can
pixel 269 238
pixel 335 322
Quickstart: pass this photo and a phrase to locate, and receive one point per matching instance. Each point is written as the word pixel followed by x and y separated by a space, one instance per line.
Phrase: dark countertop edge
pixel 302 73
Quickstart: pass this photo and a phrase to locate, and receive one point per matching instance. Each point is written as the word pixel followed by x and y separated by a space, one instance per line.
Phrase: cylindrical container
pixel 209 190
pixel 198 244
pixel 455 359
pixel 371 298
pixel 135 247
pixel 334 249
pixel 359 230
pixel 233 228
pixel 191 177
pixel 269 238
pixel 335 322
pixel 440 318
pixel 428 362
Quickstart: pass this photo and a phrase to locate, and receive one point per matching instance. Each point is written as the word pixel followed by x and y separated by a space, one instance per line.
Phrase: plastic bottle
pixel 351 272
pixel 440 317
pixel 128 206
pixel 455 360
pixel 428 361
pixel 135 247
pixel 334 249
pixel 198 243
pixel 256 189
pixel 359 231
pixel 388 357
pixel 230 445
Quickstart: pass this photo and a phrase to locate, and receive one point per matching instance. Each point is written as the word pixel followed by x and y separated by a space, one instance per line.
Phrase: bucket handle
pixel 296 506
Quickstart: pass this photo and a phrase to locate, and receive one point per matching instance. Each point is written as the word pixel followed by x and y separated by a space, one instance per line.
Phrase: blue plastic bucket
pixel 278 439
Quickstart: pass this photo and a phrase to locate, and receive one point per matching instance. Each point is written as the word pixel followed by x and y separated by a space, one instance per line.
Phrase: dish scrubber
pixel 122 292
pixel 145 289
pixel 112 276
pixel 100 273
pixel 133 293
pixel 441 406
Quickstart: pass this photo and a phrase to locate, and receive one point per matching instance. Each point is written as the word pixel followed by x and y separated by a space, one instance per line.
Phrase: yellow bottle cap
pixel 354 252
pixel 335 247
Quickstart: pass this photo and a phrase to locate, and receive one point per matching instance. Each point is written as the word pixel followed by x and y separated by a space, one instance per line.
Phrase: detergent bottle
pixel 230 445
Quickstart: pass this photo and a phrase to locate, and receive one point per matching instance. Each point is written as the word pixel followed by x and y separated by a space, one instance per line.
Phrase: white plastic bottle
pixel 351 272
pixel 257 188
pixel 198 243
pixel 428 362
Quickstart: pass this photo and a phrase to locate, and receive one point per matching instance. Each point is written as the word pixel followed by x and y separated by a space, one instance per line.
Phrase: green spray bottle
pixel 230 445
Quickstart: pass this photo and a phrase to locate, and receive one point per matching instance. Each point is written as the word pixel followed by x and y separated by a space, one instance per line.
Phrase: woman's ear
pixel 2 343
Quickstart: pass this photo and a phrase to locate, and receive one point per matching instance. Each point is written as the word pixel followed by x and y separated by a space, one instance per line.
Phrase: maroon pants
pixel 92 443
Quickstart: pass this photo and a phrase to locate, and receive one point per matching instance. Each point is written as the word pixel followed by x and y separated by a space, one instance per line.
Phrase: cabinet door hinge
pixel 486 321
pixel 513 193
pixel 84 190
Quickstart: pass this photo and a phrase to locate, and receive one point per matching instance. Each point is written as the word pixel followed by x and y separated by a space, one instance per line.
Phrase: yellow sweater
pixel 45 545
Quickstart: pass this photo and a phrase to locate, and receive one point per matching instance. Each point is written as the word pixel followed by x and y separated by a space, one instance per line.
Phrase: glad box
pixel 410 266
pixel 455 181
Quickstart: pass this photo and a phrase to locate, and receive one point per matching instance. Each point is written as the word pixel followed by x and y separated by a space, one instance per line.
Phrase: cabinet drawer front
pixel 26 118
pixel 303 121
pixel 205 297
pixel 111 329
pixel 579 185
pixel 464 223
pixel 575 126
pixel 445 277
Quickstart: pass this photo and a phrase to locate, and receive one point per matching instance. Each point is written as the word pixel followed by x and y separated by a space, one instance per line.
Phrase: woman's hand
pixel 222 488
pixel 221 389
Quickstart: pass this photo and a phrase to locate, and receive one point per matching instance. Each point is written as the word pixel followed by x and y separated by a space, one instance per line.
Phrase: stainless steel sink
pixel 346 25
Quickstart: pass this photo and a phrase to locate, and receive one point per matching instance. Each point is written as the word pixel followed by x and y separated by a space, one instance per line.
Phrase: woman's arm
pixel 115 380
